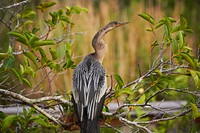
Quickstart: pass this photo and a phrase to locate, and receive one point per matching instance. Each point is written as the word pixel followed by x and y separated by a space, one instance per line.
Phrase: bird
pixel 89 83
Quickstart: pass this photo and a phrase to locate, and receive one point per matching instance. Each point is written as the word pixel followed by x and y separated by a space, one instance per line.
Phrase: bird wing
pixel 89 86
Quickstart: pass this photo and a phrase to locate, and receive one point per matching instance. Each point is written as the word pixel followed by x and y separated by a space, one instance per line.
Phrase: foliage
pixel 24 121
pixel 174 62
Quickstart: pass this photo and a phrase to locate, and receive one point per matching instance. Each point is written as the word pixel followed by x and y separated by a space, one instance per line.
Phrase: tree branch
pixel 34 101
pixel 135 124
pixel 15 4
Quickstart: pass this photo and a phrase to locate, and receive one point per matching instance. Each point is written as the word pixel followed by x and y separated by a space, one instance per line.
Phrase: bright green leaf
pixel 27 82
pixel 3 56
pixel 183 22
pixel 32 57
pixel 175 28
pixel 119 80
pixel 155 43
pixel 126 91
pixel 147 17
pixel 17 74
pixel 160 23
pixel 181 39
pixel 188 58
pixel 54 54
pixel 43 54
pixel 158 72
pixel 33 39
pixel 64 18
pixel 29 71
pixel 43 43
pixel 41 122
pixel 195 77
pixel 28 14
pixel 174 46
pixel 21 69
pixel 149 29
pixel 19 37
pixel 48 4
pixel 195 111
pixel 141 100
pixel 8 121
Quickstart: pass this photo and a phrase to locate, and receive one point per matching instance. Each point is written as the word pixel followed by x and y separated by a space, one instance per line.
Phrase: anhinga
pixel 89 83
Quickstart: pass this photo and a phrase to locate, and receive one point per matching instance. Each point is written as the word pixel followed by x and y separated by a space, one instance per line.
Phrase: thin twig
pixel 135 124
pixel 15 4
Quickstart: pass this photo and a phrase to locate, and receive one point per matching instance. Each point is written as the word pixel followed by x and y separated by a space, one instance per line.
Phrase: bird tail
pixel 92 126
pixel 88 126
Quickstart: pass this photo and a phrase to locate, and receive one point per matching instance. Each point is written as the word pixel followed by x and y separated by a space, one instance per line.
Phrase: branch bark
pixel 15 4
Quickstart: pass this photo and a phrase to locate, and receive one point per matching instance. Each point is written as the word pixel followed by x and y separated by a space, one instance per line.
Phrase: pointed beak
pixel 122 23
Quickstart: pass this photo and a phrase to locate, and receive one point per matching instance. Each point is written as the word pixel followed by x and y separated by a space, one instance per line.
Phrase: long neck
pixel 99 45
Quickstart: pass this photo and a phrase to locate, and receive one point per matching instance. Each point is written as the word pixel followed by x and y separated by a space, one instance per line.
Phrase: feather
pixel 89 86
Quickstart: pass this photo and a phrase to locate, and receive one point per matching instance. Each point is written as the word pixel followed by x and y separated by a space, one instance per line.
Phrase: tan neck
pixel 100 50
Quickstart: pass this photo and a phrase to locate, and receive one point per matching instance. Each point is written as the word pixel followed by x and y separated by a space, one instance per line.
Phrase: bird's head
pixel 114 24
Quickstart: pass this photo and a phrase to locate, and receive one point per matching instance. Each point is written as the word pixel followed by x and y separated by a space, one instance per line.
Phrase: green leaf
pixel 119 80
pixel 28 22
pixel 168 24
pixel 43 7
pixel 149 29
pixel 64 18
pixel 19 37
pixel 34 30
pixel 141 100
pixel 41 122
pixel 8 121
pixel 48 4
pixel 158 72
pixel 188 58
pixel 147 17
pixel 139 112
pixel 77 9
pixel 54 54
pixel 174 46
pixel 53 65
pixel 2 115
pixel 32 57
pixel 3 56
pixel 195 77
pixel 183 22
pixel 26 62
pixel 28 14
pixel 17 74
pixel 160 23
pixel 29 71
pixel 155 43
pixel 28 35
pixel 33 39
pixel 43 54
pixel 126 91
pixel 69 64
pixel 8 62
pixel 195 111
pixel 27 82
pixel 181 39
pixel 21 68
pixel 175 28
pixel 43 43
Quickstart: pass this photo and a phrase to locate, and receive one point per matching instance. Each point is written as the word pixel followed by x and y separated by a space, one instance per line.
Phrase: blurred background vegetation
pixel 130 46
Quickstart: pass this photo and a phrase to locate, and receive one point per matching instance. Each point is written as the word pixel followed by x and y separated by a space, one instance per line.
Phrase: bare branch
pixel 34 101
pixel 15 4
pixel 135 124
